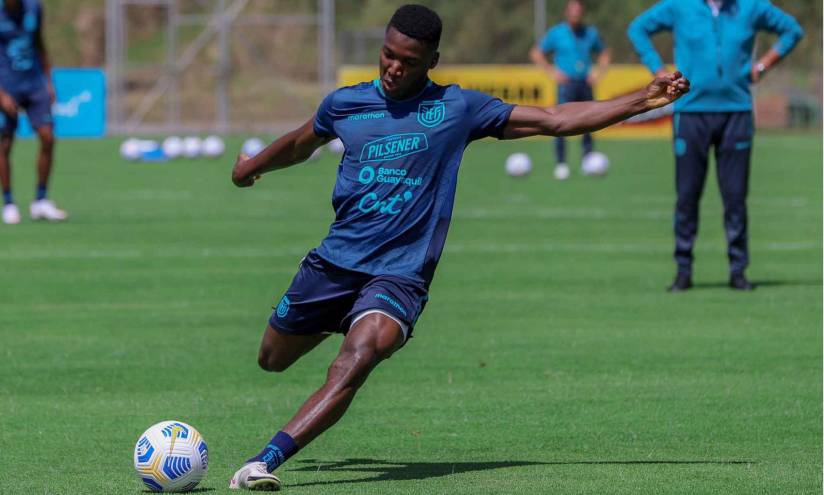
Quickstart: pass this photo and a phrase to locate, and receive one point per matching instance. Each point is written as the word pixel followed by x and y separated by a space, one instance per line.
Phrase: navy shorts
pixel 324 298
pixel 37 105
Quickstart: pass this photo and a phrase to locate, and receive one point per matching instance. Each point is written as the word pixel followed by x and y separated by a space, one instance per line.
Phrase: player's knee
pixel 271 361
pixel 352 366
pixel 47 142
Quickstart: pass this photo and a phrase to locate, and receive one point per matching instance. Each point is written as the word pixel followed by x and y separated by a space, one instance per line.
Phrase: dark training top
pixel 396 182
pixel 20 69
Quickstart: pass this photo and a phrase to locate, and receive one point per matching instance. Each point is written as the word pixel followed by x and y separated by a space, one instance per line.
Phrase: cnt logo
pixel 431 113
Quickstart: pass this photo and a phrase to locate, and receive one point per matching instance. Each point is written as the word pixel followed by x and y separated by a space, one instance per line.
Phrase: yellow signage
pixel 528 85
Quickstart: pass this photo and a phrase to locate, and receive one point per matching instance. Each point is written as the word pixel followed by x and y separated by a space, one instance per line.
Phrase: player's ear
pixel 435 58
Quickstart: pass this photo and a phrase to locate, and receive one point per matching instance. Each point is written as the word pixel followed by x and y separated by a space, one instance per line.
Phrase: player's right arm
pixel 293 148
pixel 659 17
pixel 589 116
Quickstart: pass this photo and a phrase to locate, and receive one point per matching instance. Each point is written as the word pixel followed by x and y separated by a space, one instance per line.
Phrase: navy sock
pixel 280 448
pixel 7 199
pixel 41 192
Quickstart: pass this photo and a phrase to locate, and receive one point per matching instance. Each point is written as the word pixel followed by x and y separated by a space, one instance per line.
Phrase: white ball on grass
pixel 595 163
pixel 130 149
pixel 252 147
pixel 518 165
pixel 172 146
pixel 213 146
pixel 192 146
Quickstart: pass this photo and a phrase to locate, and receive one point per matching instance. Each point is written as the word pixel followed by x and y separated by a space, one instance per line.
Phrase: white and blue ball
pixel 171 456
pixel 595 164
pixel 518 165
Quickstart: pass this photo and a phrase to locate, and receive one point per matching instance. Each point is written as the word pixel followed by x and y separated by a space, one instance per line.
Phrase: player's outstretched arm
pixel 581 117
pixel 293 148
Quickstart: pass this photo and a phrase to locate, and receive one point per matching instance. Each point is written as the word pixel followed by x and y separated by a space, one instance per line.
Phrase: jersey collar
pixel 377 84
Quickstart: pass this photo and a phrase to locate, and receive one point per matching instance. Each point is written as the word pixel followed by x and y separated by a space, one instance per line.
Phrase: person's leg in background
pixel 732 158
pixel 692 138
pixel 587 142
pixel 561 171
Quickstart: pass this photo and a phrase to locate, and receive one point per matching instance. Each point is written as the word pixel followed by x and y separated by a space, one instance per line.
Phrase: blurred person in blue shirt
pixel 573 45
pixel 714 42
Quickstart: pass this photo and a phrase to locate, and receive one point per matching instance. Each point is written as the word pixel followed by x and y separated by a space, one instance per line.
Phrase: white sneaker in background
pixel 254 476
pixel 561 171
pixel 11 215
pixel 45 209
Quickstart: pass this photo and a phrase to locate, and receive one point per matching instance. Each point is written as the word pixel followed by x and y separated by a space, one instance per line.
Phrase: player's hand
pixel 239 178
pixel 755 74
pixel 666 89
pixel 560 77
pixel 7 104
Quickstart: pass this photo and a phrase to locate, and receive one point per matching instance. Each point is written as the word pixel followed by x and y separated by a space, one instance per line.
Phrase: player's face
pixel 574 14
pixel 404 64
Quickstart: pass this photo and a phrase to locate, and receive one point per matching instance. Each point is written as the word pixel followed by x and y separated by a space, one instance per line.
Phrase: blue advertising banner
pixel 80 109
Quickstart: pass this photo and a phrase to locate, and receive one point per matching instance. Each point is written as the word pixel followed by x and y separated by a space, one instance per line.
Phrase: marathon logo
pixel 394 147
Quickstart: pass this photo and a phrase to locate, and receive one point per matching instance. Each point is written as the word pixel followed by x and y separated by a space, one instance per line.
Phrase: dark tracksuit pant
pixel 567 92
pixel 730 135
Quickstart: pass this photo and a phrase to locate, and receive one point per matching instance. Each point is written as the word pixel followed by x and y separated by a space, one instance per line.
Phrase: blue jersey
pixel 573 50
pixel 713 51
pixel 396 182
pixel 20 69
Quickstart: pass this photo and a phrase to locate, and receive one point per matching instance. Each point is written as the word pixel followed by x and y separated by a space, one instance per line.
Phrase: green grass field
pixel 549 358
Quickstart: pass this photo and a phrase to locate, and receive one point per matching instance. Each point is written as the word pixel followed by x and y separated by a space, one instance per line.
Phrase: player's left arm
pixel 43 55
pixel 588 116
pixel 771 18
pixel 290 149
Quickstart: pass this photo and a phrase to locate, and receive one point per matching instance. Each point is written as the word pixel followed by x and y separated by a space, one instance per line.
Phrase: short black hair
pixel 418 22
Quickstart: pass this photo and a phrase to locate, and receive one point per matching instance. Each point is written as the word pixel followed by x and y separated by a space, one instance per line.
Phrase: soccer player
pixel 713 47
pixel 25 82
pixel 573 44
pixel 404 137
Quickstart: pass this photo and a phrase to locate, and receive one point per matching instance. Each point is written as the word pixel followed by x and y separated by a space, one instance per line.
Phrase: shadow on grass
pixel 406 471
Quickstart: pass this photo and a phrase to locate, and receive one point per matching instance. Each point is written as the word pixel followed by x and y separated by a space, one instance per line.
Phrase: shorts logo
pixel 431 113
pixel 395 304
pixel 283 307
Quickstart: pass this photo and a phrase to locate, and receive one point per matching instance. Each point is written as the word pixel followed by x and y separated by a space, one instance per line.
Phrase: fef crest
pixel 431 113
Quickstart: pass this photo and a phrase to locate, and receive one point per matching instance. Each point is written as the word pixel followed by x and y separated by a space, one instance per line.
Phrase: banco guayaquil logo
pixel 431 113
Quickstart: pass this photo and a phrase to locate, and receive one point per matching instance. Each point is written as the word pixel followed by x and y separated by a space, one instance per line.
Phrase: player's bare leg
pixel 11 215
pixel 42 208
pixel 371 340
pixel 278 350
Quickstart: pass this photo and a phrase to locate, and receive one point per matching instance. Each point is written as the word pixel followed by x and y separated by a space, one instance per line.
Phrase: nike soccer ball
pixel 213 147
pixel 252 147
pixel 518 165
pixel 171 456
pixel 172 146
pixel 595 163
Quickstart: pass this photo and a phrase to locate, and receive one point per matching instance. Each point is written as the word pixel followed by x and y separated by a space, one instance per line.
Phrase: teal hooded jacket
pixel 714 52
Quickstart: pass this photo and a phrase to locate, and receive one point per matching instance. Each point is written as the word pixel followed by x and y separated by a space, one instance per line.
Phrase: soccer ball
pixel 171 456
pixel 252 147
pixel 192 146
pixel 336 146
pixel 172 146
pixel 130 149
pixel 518 165
pixel 316 154
pixel 595 163
pixel 213 146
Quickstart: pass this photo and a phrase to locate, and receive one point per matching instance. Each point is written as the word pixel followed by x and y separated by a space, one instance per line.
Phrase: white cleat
pixel 254 476
pixel 561 171
pixel 11 215
pixel 45 209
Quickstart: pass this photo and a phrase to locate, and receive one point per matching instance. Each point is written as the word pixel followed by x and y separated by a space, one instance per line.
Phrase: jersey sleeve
pixel 324 123
pixel 547 44
pixel 771 18
pixel 487 116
